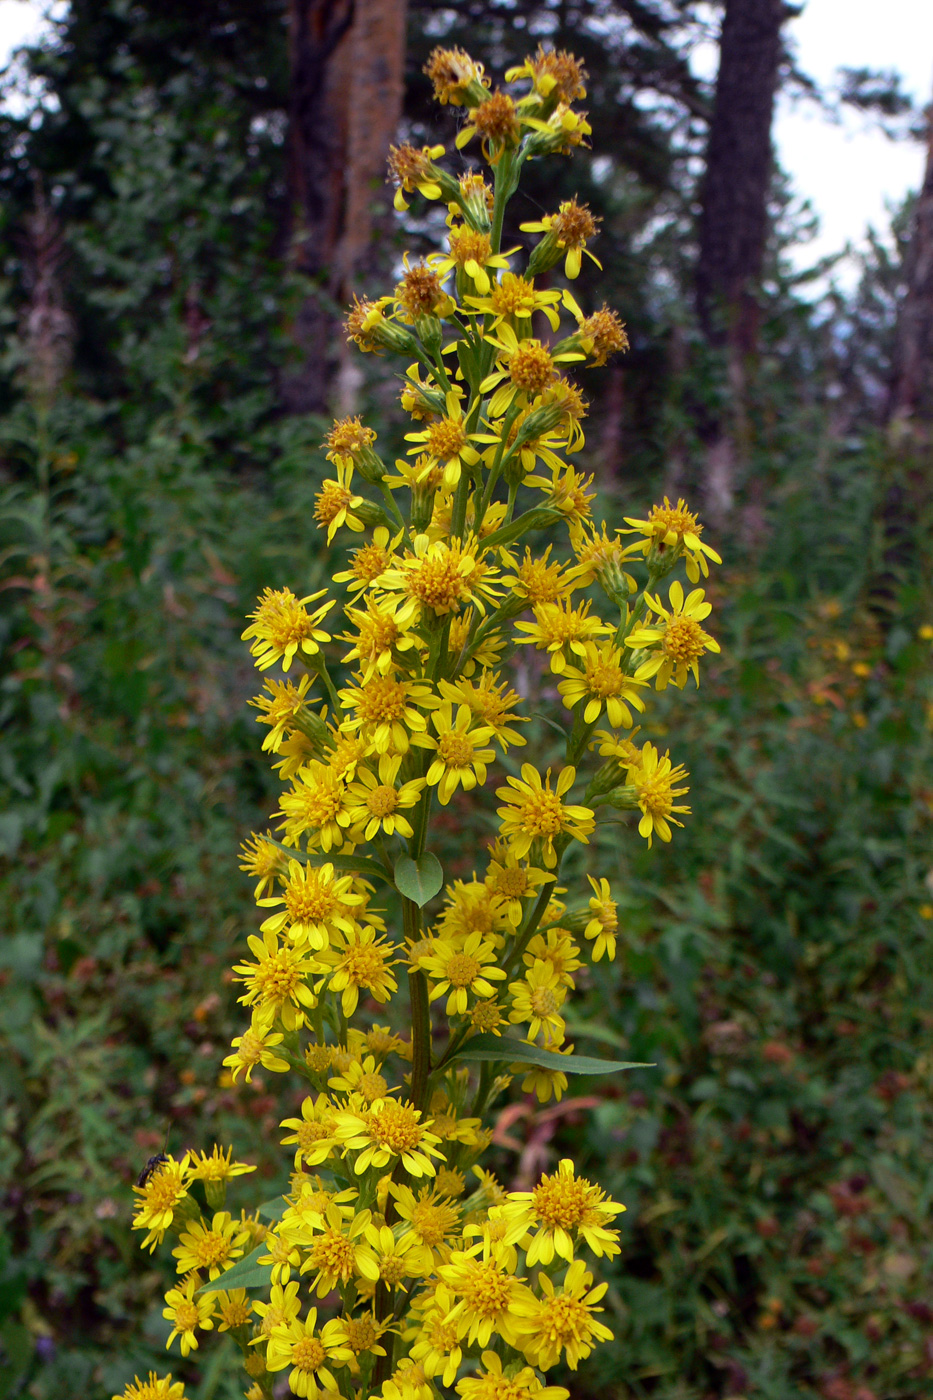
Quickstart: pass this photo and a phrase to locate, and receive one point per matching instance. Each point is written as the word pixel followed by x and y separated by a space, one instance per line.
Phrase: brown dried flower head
pixel 452 71
pixel 603 334
pixel 496 120
pixel 574 225
pixel 419 291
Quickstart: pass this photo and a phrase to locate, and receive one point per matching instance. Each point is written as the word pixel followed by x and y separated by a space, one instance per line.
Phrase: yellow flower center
pixel 372 1087
pixel 249 1050
pixel 542 814
pixel 561 1200
pixel 467 245
pixel 539 581
pixel 432 1222
pixel 603 678
pixel 282 619
pixel 564 1319
pixel 441 1335
pixel 605 912
pixel 361 1333
pixel 311 1132
pixel 391 1270
pixel 364 964
pixel 369 562
pixel 165 1187
pixel 377 634
pixel 450 1182
pixel 330 501
pixel 278 977
pixel 308 902
pixel 654 795
pixel 486 1015
pixel 382 801
pixel 461 969
pixel 676 519
pixel 318 1057
pixel 513 295
pixel 455 749
pixel 211 1248
pixel 531 368
pixel 446 438
pixel 485 1290
pixel 684 640
pixel 312 806
pixel 186 1317
pixel 381 700
pixel 308 1354
pixel 332 1253
pixel 235 1312
pixel 512 882
pixel 348 435
pixel 437 582
pixel 543 1002
pixel 396 1127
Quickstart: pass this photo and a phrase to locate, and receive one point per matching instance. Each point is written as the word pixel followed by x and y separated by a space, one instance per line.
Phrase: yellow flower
pixel 436 1344
pixel 674 529
pixel 491 701
pixel 653 778
pixel 361 960
pixel 554 74
pixel 217 1166
pixel 234 1309
pixel 460 755
pixel 313 804
pixel 283 1254
pixel 360 1335
pixel 534 814
pixel 362 1077
pixel 335 504
pixel 471 252
pixel 441 577
pixel 337 1250
pixel 561 1210
pixel 568 231
pixel 461 971
pixel 527 365
pixel 562 1325
pixel 314 1133
pixel 283 1305
pixel 603 922
pixel 394 1262
pixel 281 709
pixel 188 1314
pixel 680 642
pixel 164 1190
pixel 214 1247
pixel 567 492
pixel 297 1344
pixel 488 1296
pixel 556 948
pixel 433 1219
pixel 256 1046
pixel 513 883
pixel 537 1001
pixel 446 441
pixel 412 170
pixel 384 711
pixel 513 299
pixel 558 627
pixel 389 1132
pixel 317 902
pixel 375 802
pixel 262 859
pixel 369 561
pixel 155 1388
pixel 282 626
pixel 275 984
pixel 603 685
pixel 540 580
pixel 382 641
pixel 493 1384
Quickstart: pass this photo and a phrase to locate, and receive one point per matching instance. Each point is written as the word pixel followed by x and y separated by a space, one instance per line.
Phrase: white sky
pixel 850 173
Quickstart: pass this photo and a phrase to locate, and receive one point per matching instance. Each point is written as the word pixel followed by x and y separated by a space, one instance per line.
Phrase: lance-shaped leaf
pixel 245 1273
pixel 505 1049
pixel 418 880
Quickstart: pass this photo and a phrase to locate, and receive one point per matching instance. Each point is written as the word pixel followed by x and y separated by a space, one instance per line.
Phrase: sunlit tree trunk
pixel 347 63
pixel 733 224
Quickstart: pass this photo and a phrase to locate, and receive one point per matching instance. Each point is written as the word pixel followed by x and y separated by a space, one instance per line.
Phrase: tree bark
pixel 347 66
pixel 733 225
pixel 911 400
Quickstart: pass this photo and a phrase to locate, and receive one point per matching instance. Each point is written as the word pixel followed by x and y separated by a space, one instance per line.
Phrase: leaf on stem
pixel 245 1273
pixel 419 880
pixel 509 1051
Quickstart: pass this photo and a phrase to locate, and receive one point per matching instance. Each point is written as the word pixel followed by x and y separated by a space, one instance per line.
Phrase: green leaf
pixel 246 1273
pixel 510 1051
pixel 274 1209
pixel 418 880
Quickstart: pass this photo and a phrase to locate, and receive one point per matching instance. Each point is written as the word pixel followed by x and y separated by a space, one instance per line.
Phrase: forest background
pixel 186 204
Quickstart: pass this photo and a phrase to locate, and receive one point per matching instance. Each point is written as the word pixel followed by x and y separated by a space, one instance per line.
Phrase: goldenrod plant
pixel 397 1265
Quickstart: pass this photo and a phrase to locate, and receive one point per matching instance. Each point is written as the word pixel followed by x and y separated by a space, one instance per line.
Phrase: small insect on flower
pixel 151 1167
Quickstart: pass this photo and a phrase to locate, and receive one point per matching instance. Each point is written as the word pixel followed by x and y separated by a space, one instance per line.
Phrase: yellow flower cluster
pixel 395 1266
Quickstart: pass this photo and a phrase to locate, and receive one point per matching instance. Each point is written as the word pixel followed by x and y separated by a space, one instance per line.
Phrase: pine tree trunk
pixel 911 401
pixel 347 66
pixel 733 224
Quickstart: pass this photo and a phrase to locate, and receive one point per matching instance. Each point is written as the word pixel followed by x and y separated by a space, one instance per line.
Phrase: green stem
pixel 530 927
pixel 420 1011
